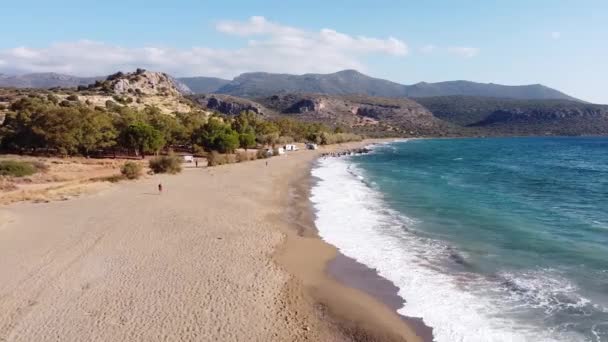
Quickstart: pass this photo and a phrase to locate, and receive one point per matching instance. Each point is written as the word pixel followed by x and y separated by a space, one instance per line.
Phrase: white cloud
pixel 556 35
pixel 271 47
pixel 463 51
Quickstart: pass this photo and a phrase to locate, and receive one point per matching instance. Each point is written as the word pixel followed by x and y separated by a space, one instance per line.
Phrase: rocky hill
pixel 361 113
pixel 230 105
pixel 260 84
pixel 367 114
pixel 138 90
pixel 520 117
pixel 446 115
pixel 53 80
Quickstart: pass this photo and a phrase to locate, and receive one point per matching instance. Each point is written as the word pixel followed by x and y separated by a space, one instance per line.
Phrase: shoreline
pixel 224 253
pixel 352 273
pixel 363 304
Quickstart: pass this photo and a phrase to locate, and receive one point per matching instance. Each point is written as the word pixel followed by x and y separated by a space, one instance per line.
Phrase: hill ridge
pixel 343 82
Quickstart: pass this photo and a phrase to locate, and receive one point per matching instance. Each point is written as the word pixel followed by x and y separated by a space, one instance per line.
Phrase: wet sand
pixel 219 256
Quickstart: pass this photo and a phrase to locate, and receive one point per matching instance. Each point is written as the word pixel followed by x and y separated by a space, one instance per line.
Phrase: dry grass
pixel 55 193
pixel 58 178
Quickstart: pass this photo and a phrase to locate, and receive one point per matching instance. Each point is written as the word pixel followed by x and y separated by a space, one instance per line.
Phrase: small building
pixel 188 159
pixel 290 147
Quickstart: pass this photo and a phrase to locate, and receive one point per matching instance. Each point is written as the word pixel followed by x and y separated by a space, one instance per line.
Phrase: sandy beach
pixel 223 254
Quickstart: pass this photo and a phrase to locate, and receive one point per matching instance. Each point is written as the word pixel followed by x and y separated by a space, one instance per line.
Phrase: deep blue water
pixel 521 222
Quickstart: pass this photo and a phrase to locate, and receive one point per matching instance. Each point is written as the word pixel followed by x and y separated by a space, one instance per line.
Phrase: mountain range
pixel 46 80
pixel 346 99
pixel 346 82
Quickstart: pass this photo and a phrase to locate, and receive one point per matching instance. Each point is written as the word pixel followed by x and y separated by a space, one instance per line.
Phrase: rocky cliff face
pixel 229 105
pixel 145 83
pixel 365 113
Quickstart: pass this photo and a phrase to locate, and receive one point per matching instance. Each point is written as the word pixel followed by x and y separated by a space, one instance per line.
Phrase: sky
pixel 560 43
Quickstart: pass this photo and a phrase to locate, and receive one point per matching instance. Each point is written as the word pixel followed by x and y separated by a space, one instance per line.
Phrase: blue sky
pixel 562 44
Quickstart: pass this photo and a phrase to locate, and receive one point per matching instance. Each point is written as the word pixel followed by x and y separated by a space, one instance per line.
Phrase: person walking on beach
pixel 196 162
pixel 160 188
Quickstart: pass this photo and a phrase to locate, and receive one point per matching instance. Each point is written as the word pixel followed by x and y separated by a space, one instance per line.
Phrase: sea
pixel 487 239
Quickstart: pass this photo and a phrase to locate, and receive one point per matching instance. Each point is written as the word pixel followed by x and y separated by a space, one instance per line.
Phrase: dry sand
pixel 216 257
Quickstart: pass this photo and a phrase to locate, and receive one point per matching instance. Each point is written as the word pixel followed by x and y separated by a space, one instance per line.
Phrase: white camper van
pixel 290 147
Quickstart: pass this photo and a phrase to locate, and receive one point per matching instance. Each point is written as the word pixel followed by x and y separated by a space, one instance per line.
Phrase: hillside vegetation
pixel 40 123
pixel 146 112
pixel 520 117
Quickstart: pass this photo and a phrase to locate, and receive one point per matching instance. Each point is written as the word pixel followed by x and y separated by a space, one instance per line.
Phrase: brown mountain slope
pixel 362 113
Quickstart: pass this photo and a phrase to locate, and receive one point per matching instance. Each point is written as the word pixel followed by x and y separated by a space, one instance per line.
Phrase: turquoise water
pixel 511 234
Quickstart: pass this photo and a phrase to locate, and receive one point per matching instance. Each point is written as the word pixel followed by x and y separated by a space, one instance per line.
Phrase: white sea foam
pixel 353 217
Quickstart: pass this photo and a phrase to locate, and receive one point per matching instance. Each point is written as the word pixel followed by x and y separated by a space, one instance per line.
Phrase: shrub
pixel 231 159
pixel 72 98
pixel 40 166
pixel 242 156
pixel 111 105
pixel 65 103
pixel 197 149
pixel 52 98
pixel 111 179
pixel 215 159
pixel 338 138
pixel 131 170
pixel 275 151
pixel 16 168
pixel 166 164
pixel 2 107
pixel 261 154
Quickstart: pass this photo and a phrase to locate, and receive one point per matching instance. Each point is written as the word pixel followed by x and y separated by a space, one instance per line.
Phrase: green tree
pixel 247 140
pixel 245 122
pixel 17 133
pixel 191 124
pixel 217 135
pixel 227 141
pixel 96 131
pixel 169 126
pixel 142 138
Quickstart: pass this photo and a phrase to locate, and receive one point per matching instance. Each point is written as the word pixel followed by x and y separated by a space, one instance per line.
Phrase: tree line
pixel 43 124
